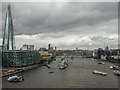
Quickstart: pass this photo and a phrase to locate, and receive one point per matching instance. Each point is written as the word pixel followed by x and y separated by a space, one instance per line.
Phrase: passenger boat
pixel 116 72
pixel 15 78
pixel 100 73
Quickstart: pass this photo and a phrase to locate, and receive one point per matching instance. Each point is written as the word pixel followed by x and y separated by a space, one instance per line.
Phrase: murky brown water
pixel 77 75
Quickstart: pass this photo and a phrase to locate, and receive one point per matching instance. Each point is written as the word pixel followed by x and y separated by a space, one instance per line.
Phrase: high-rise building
pixel 27 47
pixel 55 48
pixel 8 37
pixel 0 56
pixel 30 47
pixel 42 49
pixel 49 46
pixel 1 47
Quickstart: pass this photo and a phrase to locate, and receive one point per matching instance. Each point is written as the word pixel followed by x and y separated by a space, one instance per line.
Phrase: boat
pixel 51 71
pixel 10 71
pixel 103 63
pixel 15 78
pixel 116 72
pixel 92 59
pixel 63 64
pixel 111 67
pixel 54 59
pixel 100 73
pixel 115 67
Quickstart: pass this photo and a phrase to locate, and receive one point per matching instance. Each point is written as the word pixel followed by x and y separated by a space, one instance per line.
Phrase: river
pixel 78 74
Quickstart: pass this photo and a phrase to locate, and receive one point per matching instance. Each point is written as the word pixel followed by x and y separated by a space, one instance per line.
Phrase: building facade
pixel 42 49
pixel 49 45
pixel 87 53
pixel 27 47
pixel 18 58
pixel 0 56
pixel 97 53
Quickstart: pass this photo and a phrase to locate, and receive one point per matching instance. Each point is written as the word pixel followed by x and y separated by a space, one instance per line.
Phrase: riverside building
pixel 19 58
pixel 10 56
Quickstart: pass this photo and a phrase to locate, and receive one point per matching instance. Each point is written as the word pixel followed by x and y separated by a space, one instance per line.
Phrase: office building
pixel 27 47
pixel 8 37
pixel 49 46
pixel 19 58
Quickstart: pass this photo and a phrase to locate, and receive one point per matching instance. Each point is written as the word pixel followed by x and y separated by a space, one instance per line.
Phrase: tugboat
pixel 116 72
pixel 100 73
pixel 15 78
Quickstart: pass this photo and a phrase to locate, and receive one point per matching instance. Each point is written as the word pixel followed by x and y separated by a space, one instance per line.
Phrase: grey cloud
pixel 101 38
pixel 48 17
pixel 56 20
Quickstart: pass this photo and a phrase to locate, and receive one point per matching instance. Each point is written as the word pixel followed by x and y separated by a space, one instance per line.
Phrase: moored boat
pixel 100 73
pixel 116 72
pixel 103 63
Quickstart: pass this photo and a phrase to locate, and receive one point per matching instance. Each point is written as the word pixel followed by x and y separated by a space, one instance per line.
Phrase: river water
pixel 77 75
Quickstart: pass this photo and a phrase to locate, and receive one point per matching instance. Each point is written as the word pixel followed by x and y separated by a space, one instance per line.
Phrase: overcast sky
pixel 66 25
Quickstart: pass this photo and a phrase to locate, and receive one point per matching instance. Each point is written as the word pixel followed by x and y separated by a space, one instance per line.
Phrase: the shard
pixel 8 37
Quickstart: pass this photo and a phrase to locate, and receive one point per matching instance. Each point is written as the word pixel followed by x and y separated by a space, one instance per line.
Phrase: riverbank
pixel 11 71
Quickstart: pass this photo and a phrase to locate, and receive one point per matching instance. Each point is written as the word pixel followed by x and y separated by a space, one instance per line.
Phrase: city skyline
pixel 65 25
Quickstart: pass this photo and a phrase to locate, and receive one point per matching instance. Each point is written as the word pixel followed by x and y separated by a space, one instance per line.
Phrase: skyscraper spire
pixel 8 38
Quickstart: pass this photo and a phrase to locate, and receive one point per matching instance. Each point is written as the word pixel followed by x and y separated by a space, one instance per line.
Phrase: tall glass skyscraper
pixel 8 38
